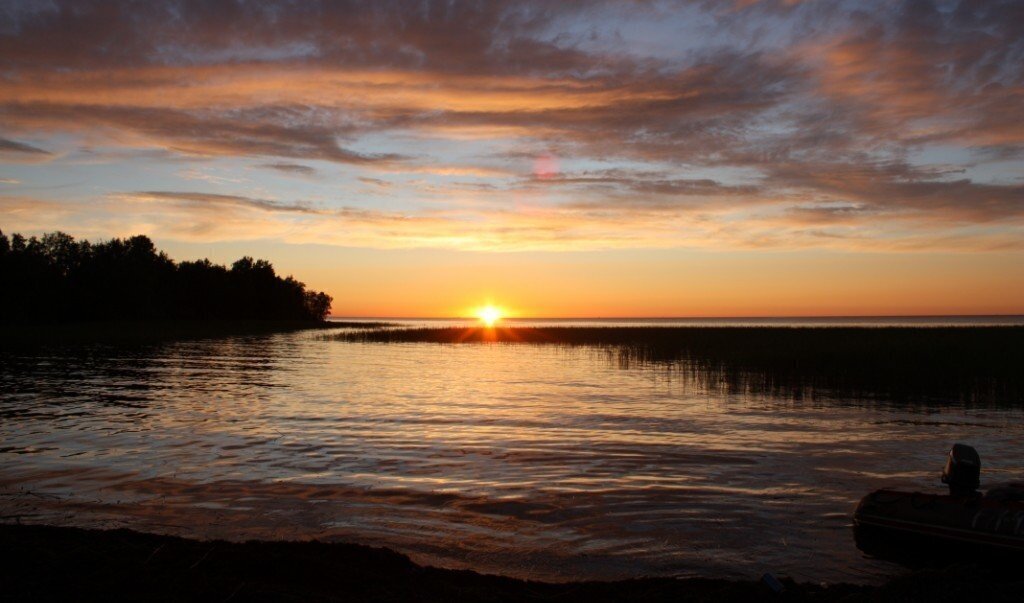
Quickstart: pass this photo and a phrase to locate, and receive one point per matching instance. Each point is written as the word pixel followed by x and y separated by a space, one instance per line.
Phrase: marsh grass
pixel 936 364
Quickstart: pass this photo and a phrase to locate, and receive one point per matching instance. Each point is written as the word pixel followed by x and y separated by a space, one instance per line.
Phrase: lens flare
pixel 545 166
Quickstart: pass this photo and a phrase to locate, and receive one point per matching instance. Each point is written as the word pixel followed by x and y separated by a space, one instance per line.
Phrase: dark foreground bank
pixel 48 563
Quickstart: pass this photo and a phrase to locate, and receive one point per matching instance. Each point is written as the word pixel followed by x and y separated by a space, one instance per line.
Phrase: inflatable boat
pixel 891 523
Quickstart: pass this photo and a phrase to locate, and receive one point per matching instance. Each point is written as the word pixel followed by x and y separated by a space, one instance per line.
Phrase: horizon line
pixel 763 317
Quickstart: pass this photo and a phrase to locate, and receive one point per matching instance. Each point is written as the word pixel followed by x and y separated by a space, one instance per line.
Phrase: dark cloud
pixel 220 201
pixel 643 183
pixel 828 214
pixel 918 72
pixel 271 131
pixel 436 35
pixel 291 168
pixel 20 148
pixel 901 188
pixel 375 182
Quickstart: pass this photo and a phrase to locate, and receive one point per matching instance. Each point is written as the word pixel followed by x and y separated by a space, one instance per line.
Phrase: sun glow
pixel 489 315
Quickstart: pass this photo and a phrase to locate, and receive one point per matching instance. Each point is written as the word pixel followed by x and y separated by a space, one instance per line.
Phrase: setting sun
pixel 489 315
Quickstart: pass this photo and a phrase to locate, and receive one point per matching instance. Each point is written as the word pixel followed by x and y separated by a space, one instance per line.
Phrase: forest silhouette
pixel 55 278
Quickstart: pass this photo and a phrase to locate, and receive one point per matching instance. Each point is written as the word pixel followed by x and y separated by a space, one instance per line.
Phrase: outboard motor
pixel 963 470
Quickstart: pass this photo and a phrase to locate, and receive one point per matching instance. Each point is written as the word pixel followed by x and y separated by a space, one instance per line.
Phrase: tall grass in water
pixel 964 364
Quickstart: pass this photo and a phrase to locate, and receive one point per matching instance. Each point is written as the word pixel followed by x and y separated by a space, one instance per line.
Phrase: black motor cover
pixel 963 470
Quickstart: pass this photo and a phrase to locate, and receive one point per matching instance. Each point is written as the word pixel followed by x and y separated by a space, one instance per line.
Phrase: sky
pixel 592 158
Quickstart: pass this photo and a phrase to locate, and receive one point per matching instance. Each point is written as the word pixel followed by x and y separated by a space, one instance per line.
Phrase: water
pixel 1000 320
pixel 531 461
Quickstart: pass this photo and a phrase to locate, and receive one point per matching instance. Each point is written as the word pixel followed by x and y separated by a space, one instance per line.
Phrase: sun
pixel 489 315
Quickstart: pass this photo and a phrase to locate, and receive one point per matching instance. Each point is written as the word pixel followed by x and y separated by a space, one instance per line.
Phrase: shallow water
pixel 533 461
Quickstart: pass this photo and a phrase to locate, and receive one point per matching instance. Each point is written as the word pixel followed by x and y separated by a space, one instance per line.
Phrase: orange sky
pixel 665 283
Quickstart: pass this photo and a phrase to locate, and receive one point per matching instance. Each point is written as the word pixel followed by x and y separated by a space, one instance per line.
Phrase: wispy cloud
pixel 12 150
pixel 208 201
pixel 291 168
pixel 193 216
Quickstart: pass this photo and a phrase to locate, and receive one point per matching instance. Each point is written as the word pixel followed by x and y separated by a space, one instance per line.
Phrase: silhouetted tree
pixel 56 277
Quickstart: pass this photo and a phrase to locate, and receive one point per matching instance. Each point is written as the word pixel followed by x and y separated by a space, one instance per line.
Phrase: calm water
pixel 1005 320
pixel 540 462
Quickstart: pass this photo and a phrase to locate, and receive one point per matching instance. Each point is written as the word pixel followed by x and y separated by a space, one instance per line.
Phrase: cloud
pixel 376 182
pixel 896 188
pixel 13 146
pixel 12 150
pixel 644 182
pixel 205 201
pixel 198 174
pixel 918 72
pixel 291 168
pixel 532 225
pixel 764 123
pixel 271 131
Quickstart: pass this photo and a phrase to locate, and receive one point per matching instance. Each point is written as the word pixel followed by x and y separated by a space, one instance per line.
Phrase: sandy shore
pixel 50 563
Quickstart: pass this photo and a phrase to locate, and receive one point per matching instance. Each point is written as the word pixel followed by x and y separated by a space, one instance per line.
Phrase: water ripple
pixel 539 462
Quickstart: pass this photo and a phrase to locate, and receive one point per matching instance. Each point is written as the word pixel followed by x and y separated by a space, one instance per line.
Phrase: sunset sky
pixel 631 158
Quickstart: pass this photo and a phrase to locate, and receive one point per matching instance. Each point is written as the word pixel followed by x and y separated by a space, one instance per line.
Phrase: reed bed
pixel 964 364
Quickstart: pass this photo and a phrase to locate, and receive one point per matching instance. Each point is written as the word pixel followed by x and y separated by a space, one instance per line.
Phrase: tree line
pixel 56 278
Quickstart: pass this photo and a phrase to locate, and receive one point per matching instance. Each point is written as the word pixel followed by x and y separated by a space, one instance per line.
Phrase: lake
pixel 533 461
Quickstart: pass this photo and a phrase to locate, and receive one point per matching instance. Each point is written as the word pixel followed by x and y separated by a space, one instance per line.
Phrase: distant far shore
pixel 782 320
pixel 57 563
pixel 144 331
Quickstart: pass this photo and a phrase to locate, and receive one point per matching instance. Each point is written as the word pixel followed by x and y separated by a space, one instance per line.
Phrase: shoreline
pixel 146 331
pixel 85 564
